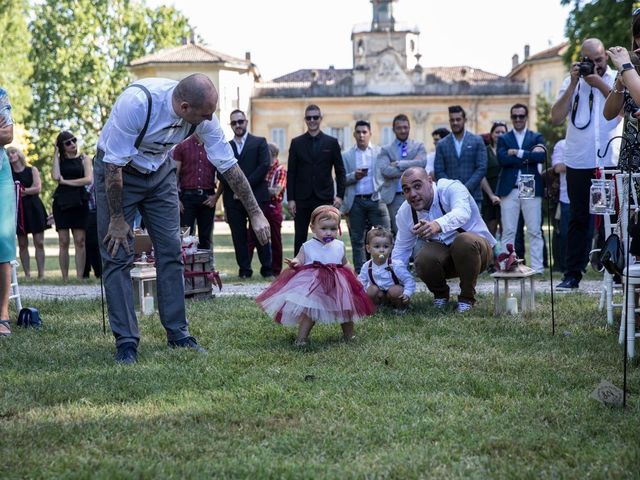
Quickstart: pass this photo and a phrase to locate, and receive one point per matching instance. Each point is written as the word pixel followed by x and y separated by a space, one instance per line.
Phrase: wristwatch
pixel 626 66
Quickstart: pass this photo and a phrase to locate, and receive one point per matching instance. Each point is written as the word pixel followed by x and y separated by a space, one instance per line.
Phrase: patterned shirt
pixel 195 170
pixel 277 177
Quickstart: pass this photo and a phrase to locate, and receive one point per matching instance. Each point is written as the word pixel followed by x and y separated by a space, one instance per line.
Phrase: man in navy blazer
pixel 462 155
pixel 519 152
pixel 254 160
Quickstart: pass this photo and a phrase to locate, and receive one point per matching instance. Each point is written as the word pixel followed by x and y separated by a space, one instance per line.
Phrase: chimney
pixel 192 38
pixel 526 53
pixel 514 61
pixel 247 56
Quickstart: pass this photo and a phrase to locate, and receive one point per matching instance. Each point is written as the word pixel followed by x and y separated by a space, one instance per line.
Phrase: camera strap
pixel 574 109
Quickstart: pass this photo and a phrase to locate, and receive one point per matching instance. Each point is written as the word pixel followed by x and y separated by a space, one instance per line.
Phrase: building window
pixel 547 88
pixel 387 135
pixel 278 137
pixel 343 136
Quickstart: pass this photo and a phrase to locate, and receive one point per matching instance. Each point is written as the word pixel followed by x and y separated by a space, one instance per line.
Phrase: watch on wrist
pixel 626 66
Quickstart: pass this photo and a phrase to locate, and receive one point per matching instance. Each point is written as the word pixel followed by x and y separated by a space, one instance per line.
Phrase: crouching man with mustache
pixel 440 224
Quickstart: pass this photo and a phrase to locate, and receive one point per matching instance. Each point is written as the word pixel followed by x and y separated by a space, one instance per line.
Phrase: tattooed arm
pixel 119 231
pixel 240 186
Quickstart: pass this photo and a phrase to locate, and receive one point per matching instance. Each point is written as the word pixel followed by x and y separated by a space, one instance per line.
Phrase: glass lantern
pixel 143 280
pixel 601 197
pixel 526 187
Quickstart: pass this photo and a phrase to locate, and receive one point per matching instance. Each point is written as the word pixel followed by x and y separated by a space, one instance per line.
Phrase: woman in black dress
pixel 72 171
pixel 32 216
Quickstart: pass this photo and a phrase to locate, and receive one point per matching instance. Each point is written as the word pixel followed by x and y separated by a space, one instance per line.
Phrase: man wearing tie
pixel 393 160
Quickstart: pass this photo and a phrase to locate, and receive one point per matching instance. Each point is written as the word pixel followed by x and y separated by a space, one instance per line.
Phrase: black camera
pixel 586 67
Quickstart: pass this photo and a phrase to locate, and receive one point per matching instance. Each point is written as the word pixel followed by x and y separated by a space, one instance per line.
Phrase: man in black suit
pixel 254 160
pixel 310 184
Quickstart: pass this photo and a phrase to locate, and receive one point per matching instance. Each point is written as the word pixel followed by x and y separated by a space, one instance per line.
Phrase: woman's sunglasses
pixel 71 141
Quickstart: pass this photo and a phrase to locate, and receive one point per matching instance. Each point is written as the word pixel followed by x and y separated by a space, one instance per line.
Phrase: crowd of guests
pixel 438 213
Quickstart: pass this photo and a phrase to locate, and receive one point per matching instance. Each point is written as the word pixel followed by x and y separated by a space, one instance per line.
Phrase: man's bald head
pixel 417 188
pixel 417 172
pixel 194 89
pixel 594 50
pixel 195 98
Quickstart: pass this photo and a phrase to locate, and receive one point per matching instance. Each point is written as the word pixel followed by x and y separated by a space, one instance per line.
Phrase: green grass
pixel 427 394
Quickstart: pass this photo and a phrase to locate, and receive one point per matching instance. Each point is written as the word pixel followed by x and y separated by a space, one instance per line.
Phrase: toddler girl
pixel 385 280
pixel 319 286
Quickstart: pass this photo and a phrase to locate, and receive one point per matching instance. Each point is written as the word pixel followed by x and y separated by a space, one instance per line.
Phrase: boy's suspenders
pixel 389 267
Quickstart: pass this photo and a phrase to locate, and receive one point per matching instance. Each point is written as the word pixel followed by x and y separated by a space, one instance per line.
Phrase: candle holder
pixel 143 279
pixel 601 197
pixel 526 187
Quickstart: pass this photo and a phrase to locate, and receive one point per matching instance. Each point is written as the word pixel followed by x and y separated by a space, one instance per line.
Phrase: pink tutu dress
pixel 322 289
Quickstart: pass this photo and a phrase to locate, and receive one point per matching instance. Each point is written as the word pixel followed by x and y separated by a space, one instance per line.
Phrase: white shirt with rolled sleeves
pixel 582 145
pixel 166 129
pixel 383 278
pixel 461 212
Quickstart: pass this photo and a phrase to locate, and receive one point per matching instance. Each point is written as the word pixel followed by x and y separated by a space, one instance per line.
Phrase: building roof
pixel 548 54
pixel 332 82
pixel 190 53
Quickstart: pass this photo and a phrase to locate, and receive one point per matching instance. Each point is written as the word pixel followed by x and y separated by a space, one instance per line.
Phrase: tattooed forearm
pixel 113 187
pixel 240 186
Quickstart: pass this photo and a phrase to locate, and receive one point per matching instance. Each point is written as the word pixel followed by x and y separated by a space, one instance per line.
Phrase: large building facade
pixel 386 79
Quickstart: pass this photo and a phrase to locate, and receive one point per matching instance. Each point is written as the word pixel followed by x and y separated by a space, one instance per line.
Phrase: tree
pixel 15 67
pixel 608 20
pixel 80 50
pixel 551 133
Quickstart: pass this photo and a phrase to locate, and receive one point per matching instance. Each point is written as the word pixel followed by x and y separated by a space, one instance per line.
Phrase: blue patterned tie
pixel 403 150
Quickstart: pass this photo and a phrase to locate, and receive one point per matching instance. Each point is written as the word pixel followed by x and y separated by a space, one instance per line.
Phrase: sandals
pixel 8 325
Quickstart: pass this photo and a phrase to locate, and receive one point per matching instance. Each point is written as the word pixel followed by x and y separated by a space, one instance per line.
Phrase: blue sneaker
pixel 568 283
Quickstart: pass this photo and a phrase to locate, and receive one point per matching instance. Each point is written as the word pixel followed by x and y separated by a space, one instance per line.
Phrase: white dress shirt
pixel 364 159
pixel 240 142
pixel 383 278
pixel 558 157
pixel 461 212
pixel 166 129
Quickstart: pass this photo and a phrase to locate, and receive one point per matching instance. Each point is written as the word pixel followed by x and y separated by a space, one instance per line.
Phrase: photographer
pixel 582 98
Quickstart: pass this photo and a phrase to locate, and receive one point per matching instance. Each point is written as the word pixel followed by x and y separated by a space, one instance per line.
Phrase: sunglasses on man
pixel 233 123
pixel 308 118
pixel 71 141
pixel 518 117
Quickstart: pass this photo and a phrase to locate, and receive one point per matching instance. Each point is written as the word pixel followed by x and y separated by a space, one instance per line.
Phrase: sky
pixel 287 35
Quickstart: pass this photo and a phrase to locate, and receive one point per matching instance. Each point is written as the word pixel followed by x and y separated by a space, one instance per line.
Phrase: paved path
pixel 253 289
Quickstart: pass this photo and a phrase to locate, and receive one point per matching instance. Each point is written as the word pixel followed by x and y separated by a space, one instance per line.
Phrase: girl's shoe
pixel 301 343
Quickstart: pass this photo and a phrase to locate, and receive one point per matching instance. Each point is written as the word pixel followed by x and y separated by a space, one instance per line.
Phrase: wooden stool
pixel 527 299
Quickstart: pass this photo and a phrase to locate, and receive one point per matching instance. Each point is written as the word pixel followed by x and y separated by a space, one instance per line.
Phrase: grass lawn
pixel 426 394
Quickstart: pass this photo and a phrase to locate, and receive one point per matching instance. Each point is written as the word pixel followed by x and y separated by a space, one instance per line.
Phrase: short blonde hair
pixel 21 156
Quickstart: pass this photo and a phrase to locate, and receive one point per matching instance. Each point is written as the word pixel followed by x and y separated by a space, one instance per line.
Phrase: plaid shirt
pixel 277 177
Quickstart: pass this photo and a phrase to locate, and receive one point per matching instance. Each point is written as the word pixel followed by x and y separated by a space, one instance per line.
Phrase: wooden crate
pixel 196 269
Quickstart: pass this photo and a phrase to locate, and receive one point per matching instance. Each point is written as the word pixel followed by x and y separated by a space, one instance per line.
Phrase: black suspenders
pixel 143 132
pixel 394 277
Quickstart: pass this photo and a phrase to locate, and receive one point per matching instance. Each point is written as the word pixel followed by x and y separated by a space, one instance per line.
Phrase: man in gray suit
pixel 393 160
pixel 362 203
pixel 462 155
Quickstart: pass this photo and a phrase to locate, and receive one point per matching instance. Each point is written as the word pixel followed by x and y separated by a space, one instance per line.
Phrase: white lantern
pixel 601 197
pixel 143 280
pixel 526 187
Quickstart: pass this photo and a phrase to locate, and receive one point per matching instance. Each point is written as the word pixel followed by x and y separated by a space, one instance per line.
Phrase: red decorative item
pixel 508 261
